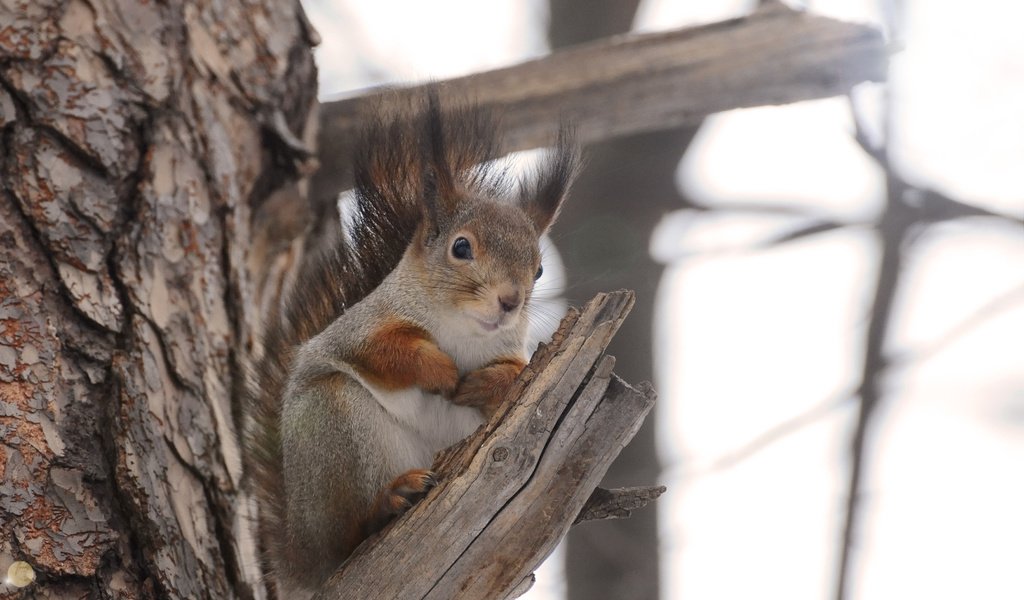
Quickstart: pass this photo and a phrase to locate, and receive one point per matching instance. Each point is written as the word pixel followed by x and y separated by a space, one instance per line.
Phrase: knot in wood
pixel 500 454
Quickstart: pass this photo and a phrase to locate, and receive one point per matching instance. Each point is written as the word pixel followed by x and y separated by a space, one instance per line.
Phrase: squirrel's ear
pixel 542 195
pixel 439 183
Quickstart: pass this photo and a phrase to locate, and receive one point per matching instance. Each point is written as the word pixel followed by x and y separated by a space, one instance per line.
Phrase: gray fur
pixel 341 450
pixel 321 442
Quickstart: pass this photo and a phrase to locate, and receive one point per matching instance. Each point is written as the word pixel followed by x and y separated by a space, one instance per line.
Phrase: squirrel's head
pixel 423 174
pixel 482 260
pixel 478 242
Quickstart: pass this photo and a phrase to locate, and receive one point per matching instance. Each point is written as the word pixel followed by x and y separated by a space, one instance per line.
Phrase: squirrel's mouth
pixel 487 325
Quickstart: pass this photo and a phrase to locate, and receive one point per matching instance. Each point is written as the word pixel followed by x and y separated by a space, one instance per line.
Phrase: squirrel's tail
pixel 401 152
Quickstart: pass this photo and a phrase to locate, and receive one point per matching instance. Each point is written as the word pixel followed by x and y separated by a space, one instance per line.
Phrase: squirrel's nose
pixel 510 301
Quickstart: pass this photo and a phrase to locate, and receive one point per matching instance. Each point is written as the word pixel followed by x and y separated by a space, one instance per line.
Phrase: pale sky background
pixel 754 338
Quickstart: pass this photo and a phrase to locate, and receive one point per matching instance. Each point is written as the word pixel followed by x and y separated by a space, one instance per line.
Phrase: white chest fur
pixel 429 423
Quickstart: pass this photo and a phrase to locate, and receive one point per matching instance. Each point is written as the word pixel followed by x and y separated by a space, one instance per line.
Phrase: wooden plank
pixel 636 83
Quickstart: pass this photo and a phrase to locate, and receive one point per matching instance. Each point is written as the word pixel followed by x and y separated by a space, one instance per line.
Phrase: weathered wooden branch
pixel 635 83
pixel 618 503
pixel 510 492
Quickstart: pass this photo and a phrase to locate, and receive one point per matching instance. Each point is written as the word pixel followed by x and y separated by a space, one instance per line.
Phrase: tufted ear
pixel 541 195
pixel 455 143
pixel 439 181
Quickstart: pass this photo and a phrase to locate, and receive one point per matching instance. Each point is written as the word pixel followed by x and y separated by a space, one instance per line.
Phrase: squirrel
pixel 401 340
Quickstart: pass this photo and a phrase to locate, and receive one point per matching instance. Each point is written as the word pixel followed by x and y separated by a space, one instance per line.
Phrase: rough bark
pixel 509 493
pixel 637 83
pixel 136 137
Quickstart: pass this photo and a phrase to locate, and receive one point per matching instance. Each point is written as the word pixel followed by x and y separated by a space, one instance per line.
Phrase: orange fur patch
pixel 400 355
pixel 398 497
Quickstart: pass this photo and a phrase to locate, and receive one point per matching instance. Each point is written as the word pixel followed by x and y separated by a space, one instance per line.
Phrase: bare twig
pixel 790 426
pixel 806 230
pixel 894 232
pixel 935 206
pixel 1004 301
pixel 776 433
pixel 908 211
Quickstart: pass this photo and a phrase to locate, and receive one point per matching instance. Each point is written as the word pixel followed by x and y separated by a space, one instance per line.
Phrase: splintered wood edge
pixel 523 587
pixel 618 503
pixel 586 437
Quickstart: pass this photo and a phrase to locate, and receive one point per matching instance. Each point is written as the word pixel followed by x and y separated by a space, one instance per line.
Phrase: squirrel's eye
pixel 462 249
pixel 540 271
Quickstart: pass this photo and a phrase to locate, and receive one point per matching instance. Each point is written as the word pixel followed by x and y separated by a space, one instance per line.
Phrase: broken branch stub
pixel 511 491
pixel 618 503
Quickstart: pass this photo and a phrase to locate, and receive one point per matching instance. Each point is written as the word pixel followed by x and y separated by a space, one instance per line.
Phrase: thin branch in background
pixel 860 135
pixel 937 207
pixel 804 231
pixel 812 415
pixel 898 229
pixel 893 228
pixel 750 207
pixel 908 212
pixel 780 431
pixel 990 309
pixel 794 424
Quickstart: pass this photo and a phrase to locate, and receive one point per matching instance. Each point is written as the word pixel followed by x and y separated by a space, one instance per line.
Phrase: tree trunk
pixel 138 138
pixel 604 243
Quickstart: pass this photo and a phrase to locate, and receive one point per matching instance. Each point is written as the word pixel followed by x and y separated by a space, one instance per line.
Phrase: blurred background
pixel 830 302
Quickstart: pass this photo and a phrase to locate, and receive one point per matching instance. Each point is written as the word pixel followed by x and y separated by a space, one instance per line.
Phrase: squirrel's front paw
pixel 486 387
pixel 438 374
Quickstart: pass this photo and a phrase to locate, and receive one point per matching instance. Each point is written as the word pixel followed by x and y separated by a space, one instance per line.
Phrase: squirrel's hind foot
pixel 399 496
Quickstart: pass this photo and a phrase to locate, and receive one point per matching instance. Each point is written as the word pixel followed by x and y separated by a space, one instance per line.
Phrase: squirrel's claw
pixel 406 490
pixel 397 498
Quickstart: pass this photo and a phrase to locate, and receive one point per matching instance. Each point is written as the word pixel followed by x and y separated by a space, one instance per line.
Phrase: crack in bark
pixel 217 509
pixel 122 512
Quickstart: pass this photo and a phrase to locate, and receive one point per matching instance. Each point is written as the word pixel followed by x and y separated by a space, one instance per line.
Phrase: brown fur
pixel 487 387
pixel 401 355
